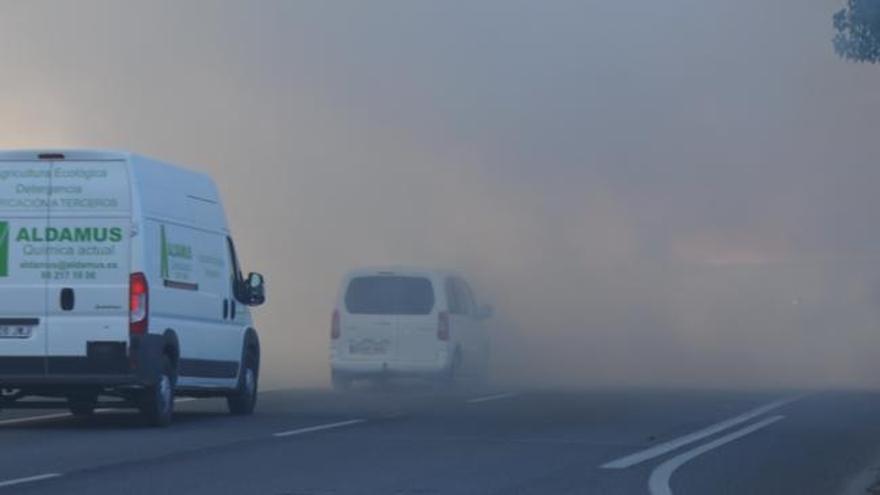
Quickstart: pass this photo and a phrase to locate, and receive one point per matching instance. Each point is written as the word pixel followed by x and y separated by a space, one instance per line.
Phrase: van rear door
pixel 88 236
pixel 24 195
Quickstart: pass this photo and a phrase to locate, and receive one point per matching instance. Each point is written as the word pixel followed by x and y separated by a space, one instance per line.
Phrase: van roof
pixel 69 154
pixel 175 193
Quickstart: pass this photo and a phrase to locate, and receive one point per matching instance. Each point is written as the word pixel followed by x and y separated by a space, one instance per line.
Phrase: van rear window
pixel 389 295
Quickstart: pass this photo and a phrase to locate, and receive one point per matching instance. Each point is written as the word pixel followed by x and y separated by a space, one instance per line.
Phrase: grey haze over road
pixel 671 205
pixel 683 192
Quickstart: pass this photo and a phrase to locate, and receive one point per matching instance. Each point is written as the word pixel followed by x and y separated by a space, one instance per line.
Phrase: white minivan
pixel 118 278
pixel 407 322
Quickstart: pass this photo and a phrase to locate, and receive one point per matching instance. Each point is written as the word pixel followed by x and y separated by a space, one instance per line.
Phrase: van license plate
pixel 15 331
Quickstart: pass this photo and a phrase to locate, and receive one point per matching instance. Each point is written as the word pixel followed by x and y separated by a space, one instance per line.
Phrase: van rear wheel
pixel 156 402
pixel 244 400
pixel 82 406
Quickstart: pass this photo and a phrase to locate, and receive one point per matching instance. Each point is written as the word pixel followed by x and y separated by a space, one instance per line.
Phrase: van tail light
pixel 443 326
pixel 138 304
pixel 335 331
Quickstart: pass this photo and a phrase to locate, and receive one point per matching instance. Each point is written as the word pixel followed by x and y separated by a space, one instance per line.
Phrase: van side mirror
pixel 484 312
pixel 255 289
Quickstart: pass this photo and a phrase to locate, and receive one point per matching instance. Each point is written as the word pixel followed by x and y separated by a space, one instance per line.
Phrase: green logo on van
pixel 4 249
pixel 171 250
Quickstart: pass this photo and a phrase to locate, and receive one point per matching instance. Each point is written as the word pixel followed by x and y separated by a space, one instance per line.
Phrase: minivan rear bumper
pixel 390 368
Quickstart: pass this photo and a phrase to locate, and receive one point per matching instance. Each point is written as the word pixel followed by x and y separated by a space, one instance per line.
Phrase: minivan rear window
pixel 389 295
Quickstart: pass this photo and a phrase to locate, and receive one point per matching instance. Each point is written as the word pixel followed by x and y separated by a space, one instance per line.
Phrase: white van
pixel 407 322
pixel 118 277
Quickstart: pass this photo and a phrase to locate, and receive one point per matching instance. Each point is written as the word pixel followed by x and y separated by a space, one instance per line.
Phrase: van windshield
pixel 389 295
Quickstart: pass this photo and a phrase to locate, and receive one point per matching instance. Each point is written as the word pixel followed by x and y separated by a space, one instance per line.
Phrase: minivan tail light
pixel 443 326
pixel 138 304
pixel 335 331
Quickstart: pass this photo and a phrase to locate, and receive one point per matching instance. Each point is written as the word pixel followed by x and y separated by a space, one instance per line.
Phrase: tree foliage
pixel 857 29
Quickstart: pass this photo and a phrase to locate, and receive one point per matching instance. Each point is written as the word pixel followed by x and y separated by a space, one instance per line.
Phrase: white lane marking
pixel 488 398
pixel 665 448
pixel 30 419
pixel 658 484
pixel 29 479
pixel 310 429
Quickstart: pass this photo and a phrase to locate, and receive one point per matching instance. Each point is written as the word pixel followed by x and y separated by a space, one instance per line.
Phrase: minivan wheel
pixel 341 383
pixel 156 402
pixel 482 378
pixel 451 377
pixel 244 400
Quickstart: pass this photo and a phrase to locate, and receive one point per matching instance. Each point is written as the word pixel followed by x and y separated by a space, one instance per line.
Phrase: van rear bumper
pixel 50 381
pixel 106 364
pixel 66 372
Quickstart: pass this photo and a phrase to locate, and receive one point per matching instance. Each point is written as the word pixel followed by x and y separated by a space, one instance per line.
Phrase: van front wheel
pixel 244 400
pixel 157 402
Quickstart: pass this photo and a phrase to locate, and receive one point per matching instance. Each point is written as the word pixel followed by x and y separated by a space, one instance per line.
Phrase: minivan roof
pixel 399 270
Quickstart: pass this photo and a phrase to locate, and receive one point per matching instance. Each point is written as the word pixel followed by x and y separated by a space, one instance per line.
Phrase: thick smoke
pixel 673 193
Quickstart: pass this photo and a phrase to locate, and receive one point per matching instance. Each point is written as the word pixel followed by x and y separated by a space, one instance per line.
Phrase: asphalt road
pixel 415 441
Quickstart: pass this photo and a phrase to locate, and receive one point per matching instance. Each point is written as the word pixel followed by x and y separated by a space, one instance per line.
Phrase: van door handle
pixel 232 310
pixel 225 308
pixel 67 300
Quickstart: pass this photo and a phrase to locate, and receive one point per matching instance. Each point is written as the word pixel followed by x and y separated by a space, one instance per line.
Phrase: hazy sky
pixel 562 152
